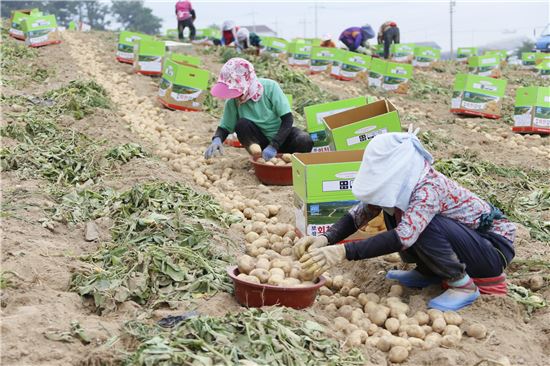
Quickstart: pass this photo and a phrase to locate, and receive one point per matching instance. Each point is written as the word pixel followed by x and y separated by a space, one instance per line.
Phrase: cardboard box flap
pixel 359 113
pixel 329 157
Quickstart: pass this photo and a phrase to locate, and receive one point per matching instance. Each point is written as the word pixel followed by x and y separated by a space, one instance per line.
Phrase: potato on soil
pixel 355 291
pixel 378 316
pixel 450 341
pixel 476 330
pixel 434 338
pixel 422 317
pixel 415 331
pixel 345 311
pixel 261 273
pixel 338 282
pixel 392 325
pixel 453 330
pixel 416 342
pixel 384 343
pixel 273 209
pixel 536 282
pixel 324 300
pixel 261 243
pixel 331 308
pixel 255 149
pixel 341 323
pixel 245 264
pixel 396 290
pixel 434 313
pixel 258 227
pixel 438 325
pixel 398 354
pixel 251 236
pixel 452 318
pixel 325 291
pixel 397 308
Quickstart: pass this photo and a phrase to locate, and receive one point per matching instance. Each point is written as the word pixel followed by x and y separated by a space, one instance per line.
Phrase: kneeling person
pixel 257 110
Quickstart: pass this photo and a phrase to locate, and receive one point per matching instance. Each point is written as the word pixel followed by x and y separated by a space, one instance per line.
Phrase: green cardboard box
pixel 183 87
pixel 424 56
pixel 172 33
pixel 40 30
pixel 500 53
pixel 322 58
pixel 378 50
pixel 353 66
pixel 544 68
pixel 485 65
pixel 182 59
pixel 541 56
pixel 322 189
pixel 299 53
pixel 72 25
pixel 402 52
pixel 478 95
pixel 528 60
pixel 274 46
pixel 464 53
pixel 376 72
pixel 148 56
pixel 353 129
pixel 125 48
pixel 396 77
pixel 206 36
pixel 17 17
pixel 532 110
pixel 315 114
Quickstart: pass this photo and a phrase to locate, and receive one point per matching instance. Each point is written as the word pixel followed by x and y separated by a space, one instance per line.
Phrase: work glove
pixel 269 153
pixel 308 243
pixel 216 145
pixel 412 130
pixel 319 260
pixel 361 49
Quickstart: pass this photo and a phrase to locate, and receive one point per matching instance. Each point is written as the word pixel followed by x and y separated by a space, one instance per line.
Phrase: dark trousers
pixel 391 35
pixel 449 249
pixel 182 24
pixel 249 133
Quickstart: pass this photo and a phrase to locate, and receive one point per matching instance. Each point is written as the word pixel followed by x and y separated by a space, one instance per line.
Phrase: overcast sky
pixel 475 22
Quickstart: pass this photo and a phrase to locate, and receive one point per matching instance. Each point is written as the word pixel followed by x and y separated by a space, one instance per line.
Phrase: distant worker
pixel 326 41
pixel 355 38
pixel 247 39
pixel 229 32
pixel 388 34
pixel 186 16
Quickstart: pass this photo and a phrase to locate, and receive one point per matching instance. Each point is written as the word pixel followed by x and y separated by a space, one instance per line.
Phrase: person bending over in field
pixel 355 38
pixel 246 40
pixel 455 238
pixel 257 110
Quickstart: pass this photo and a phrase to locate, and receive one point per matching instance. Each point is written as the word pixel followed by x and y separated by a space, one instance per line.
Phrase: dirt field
pixel 41 260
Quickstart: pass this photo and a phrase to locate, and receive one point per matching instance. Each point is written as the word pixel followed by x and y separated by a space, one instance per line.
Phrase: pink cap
pixel 222 91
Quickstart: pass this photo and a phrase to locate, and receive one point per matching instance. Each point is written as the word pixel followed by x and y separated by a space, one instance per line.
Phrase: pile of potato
pixel 384 322
pixel 269 258
pixel 284 160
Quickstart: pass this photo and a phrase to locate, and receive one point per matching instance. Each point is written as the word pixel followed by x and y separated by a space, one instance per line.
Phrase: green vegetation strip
pixel 524 196
pixel 253 337
pixel 16 70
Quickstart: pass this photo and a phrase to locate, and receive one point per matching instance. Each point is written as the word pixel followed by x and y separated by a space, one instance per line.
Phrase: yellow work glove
pixel 320 260
pixel 307 243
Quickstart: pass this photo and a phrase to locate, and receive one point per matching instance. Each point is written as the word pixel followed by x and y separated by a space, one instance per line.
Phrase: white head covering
pixel 228 25
pixel 392 165
pixel 242 34
pixel 326 37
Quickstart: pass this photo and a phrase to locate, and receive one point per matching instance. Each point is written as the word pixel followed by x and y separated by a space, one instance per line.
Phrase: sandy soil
pixel 44 259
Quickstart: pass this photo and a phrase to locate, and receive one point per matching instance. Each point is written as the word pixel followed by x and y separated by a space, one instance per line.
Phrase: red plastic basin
pixel 256 295
pixel 275 175
pixel 233 143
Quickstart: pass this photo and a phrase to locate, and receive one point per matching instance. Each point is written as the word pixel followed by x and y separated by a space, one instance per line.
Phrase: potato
pixel 252 250
pixel 434 338
pixel 246 264
pixel 422 317
pixel 453 330
pixel 378 316
pixel 415 331
pixel 338 282
pixel 452 318
pixel 250 279
pixel 325 291
pixel 271 255
pixel 251 236
pixel 372 341
pixel 290 282
pixel 341 323
pixel 286 251
pixel 328 279
pixel 283 264
pixel 397 308
pixel 275 280
pixel 370 306
pixel 261 273
pixel 263 263
pixel 255 149
pixel 396 290
pixel 372 329
pixel 398 354
pixel 344 291
pixel 259 217
pixel 357 316
pixel 287 158
pixel 427 329
pixel 324 300
pixel 373 297
pixel 261 243
pixel 263 210
pixel 363 299
pixel 340 301
pixel 416 342
pixel 248 213
pixel 273 209
pixel 392 325
pixel 434 313
pixel 450 341
pixel 247 229
pixel 353 340
pixel 384 343
pixel 438 325
pixel 258 227
pixel 290 235
pixel 278 272
pixel 476 330
pixel 331 308
pixel 345 311
pixel 350 329
pixel 274 238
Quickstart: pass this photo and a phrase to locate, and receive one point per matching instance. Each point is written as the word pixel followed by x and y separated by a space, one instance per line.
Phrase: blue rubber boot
pixel 459 295
pixel 412 278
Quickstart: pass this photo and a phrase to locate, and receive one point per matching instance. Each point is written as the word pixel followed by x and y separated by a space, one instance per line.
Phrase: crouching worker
pixel 257 110
pixel 455 238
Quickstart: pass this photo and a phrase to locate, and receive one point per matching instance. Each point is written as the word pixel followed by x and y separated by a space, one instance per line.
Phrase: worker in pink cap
pixel 186 17
pixel 257 110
